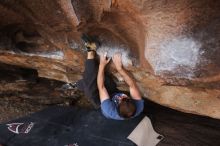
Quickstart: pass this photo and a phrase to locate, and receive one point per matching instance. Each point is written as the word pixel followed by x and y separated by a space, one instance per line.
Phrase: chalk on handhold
pixel 126 60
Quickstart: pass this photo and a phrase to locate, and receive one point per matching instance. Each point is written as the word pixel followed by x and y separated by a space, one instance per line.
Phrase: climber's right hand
pixel 117 61
pixel 104 60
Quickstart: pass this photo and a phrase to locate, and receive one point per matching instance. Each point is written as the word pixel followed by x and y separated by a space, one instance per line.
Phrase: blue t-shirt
pixel 109 107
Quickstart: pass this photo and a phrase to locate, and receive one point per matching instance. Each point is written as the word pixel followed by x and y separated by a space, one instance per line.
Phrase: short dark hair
pixel 126 108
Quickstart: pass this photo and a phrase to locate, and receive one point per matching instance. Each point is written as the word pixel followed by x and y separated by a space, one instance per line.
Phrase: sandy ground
pixel 15 106
pixel 22 93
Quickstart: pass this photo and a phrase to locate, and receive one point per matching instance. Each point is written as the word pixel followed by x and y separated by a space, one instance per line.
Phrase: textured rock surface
pixel 173 45
pixel 22 92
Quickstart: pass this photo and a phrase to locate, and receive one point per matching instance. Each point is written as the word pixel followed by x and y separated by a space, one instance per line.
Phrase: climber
pixel 115 104
pixel 118 105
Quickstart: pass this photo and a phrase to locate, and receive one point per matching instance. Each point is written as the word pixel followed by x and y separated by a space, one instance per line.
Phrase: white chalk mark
pixel 53 55
pixel 175 53
pixel 126 60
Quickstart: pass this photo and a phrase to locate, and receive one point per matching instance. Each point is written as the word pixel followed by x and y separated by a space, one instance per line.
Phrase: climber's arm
pixel 103 94
pixel 134 91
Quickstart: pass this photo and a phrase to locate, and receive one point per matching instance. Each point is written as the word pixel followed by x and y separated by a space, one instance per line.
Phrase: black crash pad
pixel 63 126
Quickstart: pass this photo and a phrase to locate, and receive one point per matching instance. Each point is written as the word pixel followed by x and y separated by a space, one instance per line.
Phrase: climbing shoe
pixel 90 47
pixel 91 42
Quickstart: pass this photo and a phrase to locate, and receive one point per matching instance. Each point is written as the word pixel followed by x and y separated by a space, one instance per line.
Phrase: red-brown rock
pixel 171 47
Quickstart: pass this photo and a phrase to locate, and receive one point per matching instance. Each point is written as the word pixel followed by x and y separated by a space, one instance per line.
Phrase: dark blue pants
pixel 89 82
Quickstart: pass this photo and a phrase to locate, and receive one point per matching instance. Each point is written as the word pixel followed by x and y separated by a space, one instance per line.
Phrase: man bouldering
pixel 118 105
pixel 100 88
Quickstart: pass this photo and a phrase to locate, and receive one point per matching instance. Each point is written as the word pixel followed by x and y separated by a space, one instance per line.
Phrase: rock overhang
pixel 171 48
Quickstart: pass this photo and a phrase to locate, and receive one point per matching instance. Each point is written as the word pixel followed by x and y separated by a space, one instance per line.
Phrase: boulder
pixel 170 47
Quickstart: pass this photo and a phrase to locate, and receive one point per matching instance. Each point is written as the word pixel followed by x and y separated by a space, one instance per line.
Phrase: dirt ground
pixel 20 103
pixel 22 93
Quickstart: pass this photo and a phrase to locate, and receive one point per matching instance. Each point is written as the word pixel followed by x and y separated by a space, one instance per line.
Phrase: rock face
pixel 171 47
